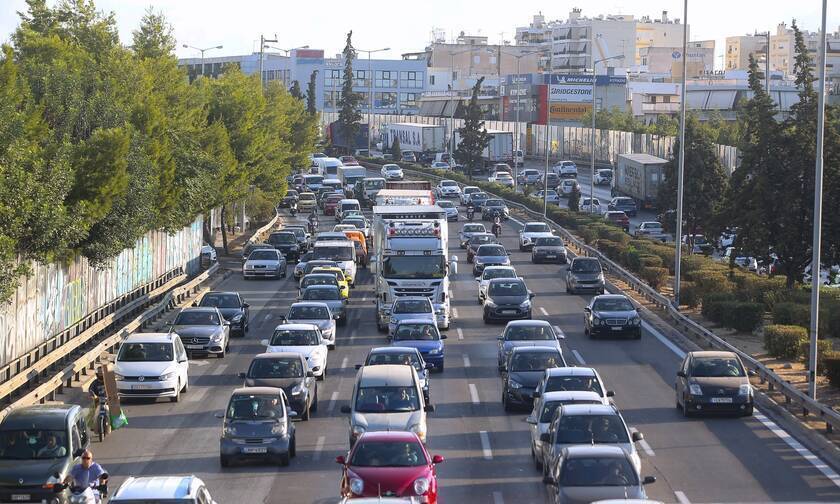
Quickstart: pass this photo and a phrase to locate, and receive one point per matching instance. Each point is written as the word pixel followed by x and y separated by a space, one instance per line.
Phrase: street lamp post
pixel 452 91
pixel 681 162
pixel 202 51
pixel 548 127
pixel 263 41
pixel 594 83
pixel 287 51
pixel 517 131
pixel 371 89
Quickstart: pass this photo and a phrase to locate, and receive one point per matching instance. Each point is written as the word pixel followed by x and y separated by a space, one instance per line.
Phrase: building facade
pixel 739 49
pixel 667 62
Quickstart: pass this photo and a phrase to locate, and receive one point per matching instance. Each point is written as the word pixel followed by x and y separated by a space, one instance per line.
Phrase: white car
pixel 468 231
pixel 574 379
pixel 318 314
pixel 532 231
pixel 340 228
pixel 392 172
pixel 503 178
pixel 590 205
pixel 489 273
pixel 567 185
pixel 305 339
pixel 603 176
pixel 264 263
pixel 152 365
pixel 566 169
pixel 184 489
pixel 440 165
pixel 552 198
pixel 649 229
pixel 466 192
pixel 449 189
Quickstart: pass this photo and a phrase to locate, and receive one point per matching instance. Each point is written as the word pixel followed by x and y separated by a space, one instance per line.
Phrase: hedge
pixel 831 367
pixel 784 341
pixel 824 347
pixel 655 277
pixel 689 294
pixel 725 310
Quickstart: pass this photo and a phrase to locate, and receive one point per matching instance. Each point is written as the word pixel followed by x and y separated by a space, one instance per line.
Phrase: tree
pixel 574 199
pixel 310 94
pixel 295 91
pixel 349 115
pixel 396 151
pixel 154 39
pixel 474 137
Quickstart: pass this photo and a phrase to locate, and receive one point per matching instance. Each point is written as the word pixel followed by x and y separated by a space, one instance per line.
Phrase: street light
pixel 681 161
pixel 287 51
pixel 371 87
pixel 518 100
pixel 263 42
pixel 202 51
pixel 594 79
pixel 548 126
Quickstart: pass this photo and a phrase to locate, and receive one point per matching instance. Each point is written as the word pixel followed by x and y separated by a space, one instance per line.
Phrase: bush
pixel 689 294
pixel 693 263
pixel 824 347
pixel 712 268
pixel 655 277
pixel 759 289
pixel 632 258
pixel 791 314
pixel 587 234
pixel 744 317
pixel 713 283
pixel 784 341
pixel 831 368
pixel 650 261
pixel 713 305
pixel 609 248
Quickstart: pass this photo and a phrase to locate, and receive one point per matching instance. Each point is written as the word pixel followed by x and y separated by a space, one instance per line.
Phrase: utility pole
pixel 371 90
pixel 681 163
pixel 202 51
pixel 263 41
pixel 547 126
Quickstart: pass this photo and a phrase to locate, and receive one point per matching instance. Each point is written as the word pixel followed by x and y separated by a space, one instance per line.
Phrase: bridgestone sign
pixel 571 93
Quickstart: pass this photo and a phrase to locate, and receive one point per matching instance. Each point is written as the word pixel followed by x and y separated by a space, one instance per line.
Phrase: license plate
pixel 194 347
pixel 141 387
pixel 509 312
pixel 722 400
pixel 20 497
pixel 254 449
pixel 617 328
pixel 551 256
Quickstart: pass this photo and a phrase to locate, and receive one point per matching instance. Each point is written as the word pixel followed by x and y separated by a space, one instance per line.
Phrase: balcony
pixel 661 108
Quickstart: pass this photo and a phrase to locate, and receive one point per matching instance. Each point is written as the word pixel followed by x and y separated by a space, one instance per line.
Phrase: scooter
pixel 496 229
pixel 103 419
pixel 470 212
pixel 293 209
pixel 94 494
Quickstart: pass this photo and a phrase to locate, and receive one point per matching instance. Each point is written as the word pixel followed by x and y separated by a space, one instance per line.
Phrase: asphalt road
pixel 486 449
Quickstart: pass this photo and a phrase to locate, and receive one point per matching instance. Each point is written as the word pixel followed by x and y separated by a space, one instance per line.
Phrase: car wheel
pixel 505 403
pixel 221 355
pixel 749 411
pixel 323 375
pixel 247 327
pixel 305 413
pixel 521 248
pixel 485 318
pixel 186 387
pixel 314 405
pixel 537 461
pixel 177 396
pixel 224 461
pixel 293 447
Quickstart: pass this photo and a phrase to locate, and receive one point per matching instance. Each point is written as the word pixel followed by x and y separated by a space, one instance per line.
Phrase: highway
pixel 486 449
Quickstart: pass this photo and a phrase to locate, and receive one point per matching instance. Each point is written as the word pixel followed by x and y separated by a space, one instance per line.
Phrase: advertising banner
pixel 569 111
pixel 571 93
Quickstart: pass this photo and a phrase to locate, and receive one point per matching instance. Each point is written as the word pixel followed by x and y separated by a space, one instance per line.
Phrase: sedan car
pixel 650 229
pixel 588 473
pixel 551 179
pixel 585 274
pixel 523 370
pixel 493 208
pixel 264 264
pixel 250 247
pixel 552 198
pixel 531 232
pixel 477 240
pixel 407 356
pixel 301 234
pixel 566 186
pixel 529 176
pixel 440 165
pixel 490 254
pixel 424 336
pixel 390 464
pixel 624 204
pixel 232 307
pixel 544 407
pixel 467 192
pixel 449 189
pixel 203 331
pixel 450 209
pixel 285 242
pixel 413 308
pixel 468 231
pixel 329 295
pixel 574 379
pixel 714 382
pixel 303 339
pixel 503 178
pixel 258 414
pixel 489 273
pixel 548 249
pixel 603 176
pixel 478 199
pixel 611 315
pixel 526 333
pixel 507 299
pixel 313 312
pixel 288 371
pixel 618 218
pixel 392 172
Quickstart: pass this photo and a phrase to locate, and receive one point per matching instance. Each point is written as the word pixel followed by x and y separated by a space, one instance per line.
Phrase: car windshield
pixel 334 253
pixel 307 196
pixel 32 444
pixel 313 179
pixel 597 472
pixel 491 250
pixel 548 242
pixel 507 289
pixel 491 273
pixel 529 333
pixel 145 352
pixel 716 367
pixel 479 196
pixel 612 304
pixel 321 294
pixel 308 313
pixel 197 318
pixel 295 337
pixel 446 204
pixel 409 267
pixel 412 306
pixel 494 202
pixel 586 266
pixel 255 407
pixel 276 368
pixel 481 239
pixel 263 255
pixel 474 228
pixel 357 223
pixel 392 167
pixel 282 238
pixel 425 332
pixel 449 183
pixel 550 407
pixel 406 359
pixel 573 384
pixel 318 280
pixel 536 228
pixel 535 361
pixel 586 429
pixel 387 400
pixel 624 201
pixel 298 232
pixel 338 275
pixel 374 184
pixel 652 225
pixel 220 300
pixel 388 454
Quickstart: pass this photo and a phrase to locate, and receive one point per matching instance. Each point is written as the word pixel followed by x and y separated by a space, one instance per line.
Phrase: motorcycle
pixel 93 494
pixel 470 212
pixel 313 225
pixel 293 209
pixel 496 229
pixel 103 419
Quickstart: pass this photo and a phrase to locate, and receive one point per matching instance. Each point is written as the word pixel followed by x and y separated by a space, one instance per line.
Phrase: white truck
pixel 349 175
pixel 404 197
pixel 417 138
pixel 498 150
pixel 410 247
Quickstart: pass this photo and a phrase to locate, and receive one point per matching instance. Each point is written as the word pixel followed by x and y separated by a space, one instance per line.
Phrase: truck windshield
pixel 408 267
pixel 374 184
pixel 334 253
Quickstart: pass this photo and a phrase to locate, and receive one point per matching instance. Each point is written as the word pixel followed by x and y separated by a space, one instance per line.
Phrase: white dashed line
pixel 319 447
pixel 514 219
pixel 352 335
pixel 485 445
pixel 268 317
pixel 579 357
pixel 542 310
pixel 474 394
pixel 497 498
pixel 460 333
pixel 333 399
pixel 466 360
pixel 200 363
pixel 560 333
pixel 344 362
pixel 681 498
pixel 455 312
pixel 219 370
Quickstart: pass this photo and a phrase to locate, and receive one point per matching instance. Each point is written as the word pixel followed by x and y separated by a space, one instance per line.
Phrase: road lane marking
pixel 681 498
pixel 466 360
pixel 455 312
pixel 352 335
pixel 333 399
pixel 514 219
pixel 474 394
pixel 219 370
pixel 344 362
pixel 319 447
pixel 202 362
pixel 268 317
pixel 665 341
pixel 801 450
pixel 485 445
pixel 545 313
pixel 199 396
pixel 579 357
pixel 497 498
pixel 460 333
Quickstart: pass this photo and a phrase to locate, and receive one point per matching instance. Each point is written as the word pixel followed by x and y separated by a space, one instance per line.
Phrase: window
pixel 361 78
pixel 331 98
pixel 80 423
pixel 412 80
pixel 409 99
pixel 476 59
pixel 385 100
pixel 332 78
pixel 386 78
pixel 431 80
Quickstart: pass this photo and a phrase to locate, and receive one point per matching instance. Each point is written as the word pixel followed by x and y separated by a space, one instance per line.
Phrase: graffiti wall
pixel 56 296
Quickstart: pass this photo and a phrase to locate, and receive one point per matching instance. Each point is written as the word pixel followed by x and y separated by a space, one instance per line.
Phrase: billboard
pixel 571 93
pixel 601 80
pixel 569 111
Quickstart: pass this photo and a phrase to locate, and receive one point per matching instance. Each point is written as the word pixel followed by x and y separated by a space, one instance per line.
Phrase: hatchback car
pixel 232 307
pixel 450 209
pixel 714 382
pixel 424 336
pixel 544 407
pixel 611 315
pixel 203 331
pixel 467 192
pixel 264 264
pixel 329 295
pixel 574 379
pixel 152 365
pixel 478 200
pixel 401 355
pixel 449 189
pixel 257 424
pixel 552 198
pixel 493 208
pixel 413 308
pixel 288 371
pixel 507 299
pixel 468 231
pixel 525 333
pixel 603 176
pixel 530 232
pixel 392 172
pixel 548 249
pixel 523 370
pixel 303 339
pixel 489 273
pixel 307 202
pixel 566 186
pixel 618 218
pixel 155 489
pixel 490 254
pixel 585 274
pixel 390 464
pixel 586 474
pixel 624 204
pixel 313 312
pixel 552 179
pixel 286 242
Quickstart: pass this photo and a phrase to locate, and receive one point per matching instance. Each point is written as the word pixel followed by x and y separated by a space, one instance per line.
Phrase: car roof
pixel 386 375
pixel 321 287
pixel 571 371
pixel 310 303
pixel 571 395
pixel 507 280
pixel 148 338
pixel 52 416
pixel 527 323
pixel 589 409
pixel 257 390
pixel 296 327
pixel 334 243
pixel 389 435
pixel 157 487
pixel 278 355
pixel 712 353
pixel 603 450
pixel 535 349
pixel 392 349
pixel 417 321
pixel 610 296
pixel 199 309
pixel 411 298
pixel 492 268
pixel 535 222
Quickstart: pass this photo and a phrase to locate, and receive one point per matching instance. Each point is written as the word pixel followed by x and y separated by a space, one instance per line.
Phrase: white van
pixel 328 167
pixel 345 205
pixel 342 252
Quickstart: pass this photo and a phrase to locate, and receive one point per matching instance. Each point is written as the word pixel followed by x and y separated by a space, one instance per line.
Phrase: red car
pixel 618 218
pixel 330 204
pixel 389 464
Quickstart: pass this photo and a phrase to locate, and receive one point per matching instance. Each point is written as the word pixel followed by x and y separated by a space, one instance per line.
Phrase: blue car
pixel 422 335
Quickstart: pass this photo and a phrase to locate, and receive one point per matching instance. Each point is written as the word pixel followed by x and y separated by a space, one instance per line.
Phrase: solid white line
pixel 466 360
pixel 474 393
pixel 344 362
pixel 219 370
pixel 665 341
pixel 485 445
pixel 514 219
pixel 352 334
pixel 543 311
pixel 319 447
pixel 497 498
pixel 455 312
pixel 681 498
pixel 333 399
pixel 579 357
pixel 801 450
pixel 460 333
pixel 559 332
pixel 268 317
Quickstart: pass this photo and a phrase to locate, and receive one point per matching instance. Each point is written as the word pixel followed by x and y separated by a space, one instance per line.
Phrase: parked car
pixel 503 178
pixel 491 254
pixel 392 172
pixel 411 308
pixel 530 232
pixel 585 274
pixel 232 307
pixel 522 371
pixel 566 169
pixel 525 333
pixel 746 262
pixel 551 179
pixel 618 218
pixel 544 407
pixel 552 198
pixel 330 295
pixel 623 204
pixel 489 273
pixel 401 355
pixel 714 382
pixel 603 176
pixel 304 339
pixel 572 480
pixel 493 208
pixel 548 249
pixel 203 331
pixel 184 489
pixel 313 312
pixel 423 335
pixel 259 414
pixel 649 229
pixel 440 165
pixel 288 371
pixel 507 299
pixel 264 264
pixel 699 244
pixel 159 359
pixel 468 231
pixel 408 157
pixel 611 315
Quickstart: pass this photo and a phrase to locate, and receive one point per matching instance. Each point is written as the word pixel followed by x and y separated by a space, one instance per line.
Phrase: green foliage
pixel 154 39
pixel 310 93
pixel 726 311
pixel 831 367
pixel 349 114
pixel 655 277
pixel 295 90
pixel 784 341
pixel 474 137
pixel 824 348
pixel 689 294
pixel 574 199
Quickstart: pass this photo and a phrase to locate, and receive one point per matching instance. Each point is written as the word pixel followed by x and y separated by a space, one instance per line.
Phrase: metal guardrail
pixel 776 383
pixel 257 237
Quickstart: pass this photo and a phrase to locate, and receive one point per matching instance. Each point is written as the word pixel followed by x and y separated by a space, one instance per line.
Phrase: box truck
pixel 417 138
pixel 639 176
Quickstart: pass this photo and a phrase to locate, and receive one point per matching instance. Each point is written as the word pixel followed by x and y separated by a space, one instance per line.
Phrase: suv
pixel 566 169
pixel 163 489
pixel 203 330
pixel 152 365
pixel 258 424
pixel 24 434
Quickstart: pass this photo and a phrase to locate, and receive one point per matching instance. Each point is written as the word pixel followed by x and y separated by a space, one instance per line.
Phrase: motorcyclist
pixel 293 207
pixel 87 474
pixel 313 222
pixel 470 210
pixel 99 396
pixel 497 226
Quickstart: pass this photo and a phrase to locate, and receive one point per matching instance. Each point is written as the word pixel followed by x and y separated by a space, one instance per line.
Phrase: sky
pixel 407 26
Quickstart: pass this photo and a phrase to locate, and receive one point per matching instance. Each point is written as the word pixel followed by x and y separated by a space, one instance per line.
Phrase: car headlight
pixel 297 389
pixel 695 389
pixel 216 337
pixel 525 305
pixel 420 430
pixel 596 321
pixel 227 430
pixel 600 277
pixel 279 429
pixel 119 377
pixel 435 351
pixel 358 430
pixel 392 320
pixel 421 486
pixel 478 262
pixel 745 389
pixel 357 486
pixel 636 321
pixel 514 384
pixel 237 318
pixel 165 376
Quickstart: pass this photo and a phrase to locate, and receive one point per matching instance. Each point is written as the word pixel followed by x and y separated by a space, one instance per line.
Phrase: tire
pixel 521 248
pixel 748 412
pixel 537 462
pixel 177 396
pixel 505 404
pixel 221 355
pixel 224 461
pixel 101 427
pixel 314 406
pixel 322 377
pixel 485 318
pixel 186 387
pixel 305 413
pixel 247 327
pixel 293 447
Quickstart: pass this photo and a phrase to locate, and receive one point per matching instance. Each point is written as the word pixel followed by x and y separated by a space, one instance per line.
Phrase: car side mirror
pixel 430 408
pixel 345 409
pixel 294 415
pixel 437 459
pixel 681 374
pixel 751 372
pixel 587 309
pixel 531 420
pixel 242 375
pixel 545 437
pixel 335 316
pixel 246 305
pixel 648 480
pixel 310 374
pixel 195 303
pixel 358 366
pixel 281 319
pixel 477 279
pixel 536 394
pixel 443 336
pixel 610 393
pixel 340 460
pixel 78 453
pixel 637 436
pixel 264 342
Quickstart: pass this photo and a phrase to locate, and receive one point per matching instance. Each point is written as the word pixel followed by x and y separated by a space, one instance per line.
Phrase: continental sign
pixel 569 111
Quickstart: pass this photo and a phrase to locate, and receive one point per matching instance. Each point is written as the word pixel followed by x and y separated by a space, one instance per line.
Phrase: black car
pixel 611 315
pixel 507 299
pixel 478 240
pixel 301 236
pixel 624 204
pixel 714 382
pixel 493 208
pixel 290 197
pixel 290 372
pixel 523 370
pixel 232 307
pixel 287 243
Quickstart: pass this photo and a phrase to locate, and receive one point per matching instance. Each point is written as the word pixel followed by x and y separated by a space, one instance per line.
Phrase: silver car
pixel 450 209
pixel 548 249
pixel 531 232
pixel 411 308
pixel 264 264
pixel 203 330
pixel 329 295
pixel 585 274
pixel 544 408
pixel 466 192
pixel 312 312
pixel 468 231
